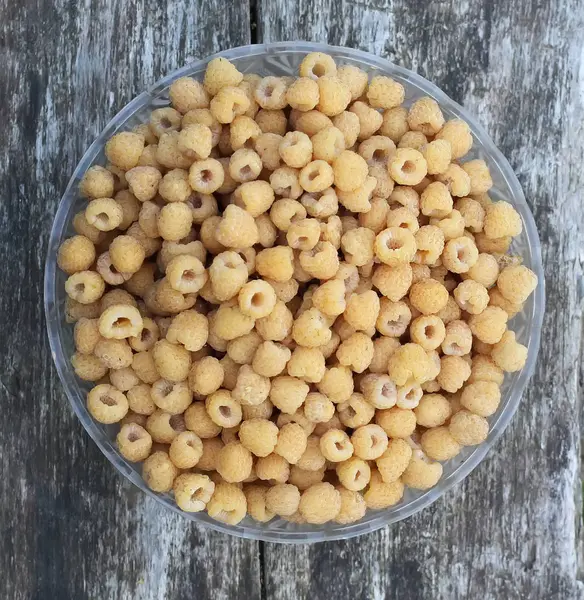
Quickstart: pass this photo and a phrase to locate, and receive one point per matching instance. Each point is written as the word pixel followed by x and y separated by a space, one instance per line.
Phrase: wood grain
pixel 71 528
pixel 513 528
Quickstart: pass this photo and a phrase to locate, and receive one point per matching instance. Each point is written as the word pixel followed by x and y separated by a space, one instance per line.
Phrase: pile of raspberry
pixel 293 294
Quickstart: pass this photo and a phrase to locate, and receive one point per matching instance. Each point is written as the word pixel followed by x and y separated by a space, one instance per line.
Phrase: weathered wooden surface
pixel 72 529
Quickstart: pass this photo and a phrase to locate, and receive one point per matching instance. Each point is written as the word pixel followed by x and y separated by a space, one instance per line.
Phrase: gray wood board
pixel 70 527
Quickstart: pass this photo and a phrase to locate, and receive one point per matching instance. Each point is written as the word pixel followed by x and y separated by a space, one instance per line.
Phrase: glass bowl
pixel 283 59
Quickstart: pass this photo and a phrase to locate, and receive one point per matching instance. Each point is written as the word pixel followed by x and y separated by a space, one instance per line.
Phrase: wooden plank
pixel 70 527
pixel 513 528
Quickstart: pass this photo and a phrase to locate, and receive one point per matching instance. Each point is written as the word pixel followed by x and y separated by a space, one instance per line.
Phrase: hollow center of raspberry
pixel 206 175
pixel 408 166
pixel 122 322
pixel 102 219
pixel 257 299
pixel 80 288
pixel 429 331
pixel 387 390
pixel 188 275
pixel 454 347
pixel 318 70
pixel 393 244
pixel 379 156
pixel 195 201
pixel 312 175
pixel 166 389
pixel 245 171
pixel 165 123
pixel 198 495
pixel 108 401
pixel 133 436
pixel 177 423
pixel 225 411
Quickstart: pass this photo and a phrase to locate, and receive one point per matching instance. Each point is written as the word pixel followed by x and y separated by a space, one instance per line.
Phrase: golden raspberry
pixel 407 166
pixel 270 93
pixel 425 116
pixel 276 263
pixel 436 201
pixel 438 155
pixel 456 179
pixel 336 384
pixel 76 254
pixel 321 262
pixel 457 133
pixel 256 503
pixel 317 64
pixel 516 283
pixel 356 352
pixel 303 94
pixel 454 371
pixel 508 354
pixel 413 139
pixel 259 436
pixel 382 495
pixel 327 144
pixel 320 503
pixel 228 504
pixel 277 325
pixel 311 122
pixel 384 92
pixel 468 429
pixel 409 364
pixel 356 411
pixel 311 329
pixel 460 254
pixel 307 364
pixel 362 310
pixel 439 444
pixel 480 177
pixel 354 78
pixel 428 296
pixel 220 73
pixel 158 472
pixel 316 176
pixel 292 440
pixel 350 171
pixel 349 125
pixel 502 220
pixel 490 325
pixel 421 473
pixel 395 123
pixel 334 95
pixel 124 149
pixel 394 461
